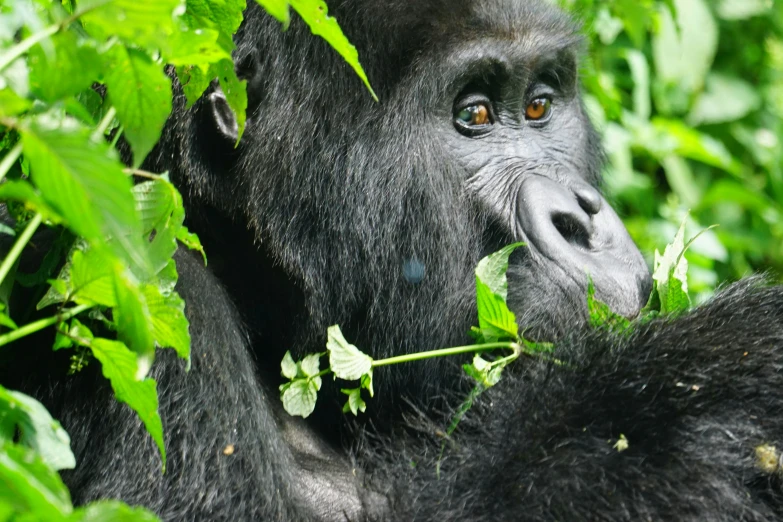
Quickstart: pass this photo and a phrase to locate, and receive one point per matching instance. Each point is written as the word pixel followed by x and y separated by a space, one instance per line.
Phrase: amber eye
pixel 538 109
pixel 474 115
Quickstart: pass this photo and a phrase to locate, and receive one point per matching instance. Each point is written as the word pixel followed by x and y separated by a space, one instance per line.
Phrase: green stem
pixel 103 126
pixel 21 242
pixel 41 324
pixel 443 352
pixel 9 159
pixel 320 374
pixel 22 47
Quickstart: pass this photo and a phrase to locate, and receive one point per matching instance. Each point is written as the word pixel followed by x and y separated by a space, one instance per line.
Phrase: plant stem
pixel 100 130
pixel 443 352
pixel 320 374
pixel 21 242
pixel 42 323
pixel 9 159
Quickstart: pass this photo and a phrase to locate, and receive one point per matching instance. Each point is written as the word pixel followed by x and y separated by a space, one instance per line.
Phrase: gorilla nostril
pixel 572 229
pixel 589 199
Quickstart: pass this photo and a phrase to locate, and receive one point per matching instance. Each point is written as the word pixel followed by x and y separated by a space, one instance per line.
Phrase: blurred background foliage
pixel 688 95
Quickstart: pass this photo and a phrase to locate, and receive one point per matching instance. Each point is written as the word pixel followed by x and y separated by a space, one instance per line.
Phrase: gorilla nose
pixel 580 235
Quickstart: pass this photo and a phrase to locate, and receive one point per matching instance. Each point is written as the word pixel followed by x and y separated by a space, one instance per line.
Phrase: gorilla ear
pixel 222 115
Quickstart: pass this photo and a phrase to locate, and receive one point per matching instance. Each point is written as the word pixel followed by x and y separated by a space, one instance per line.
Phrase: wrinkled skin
pixel 338 210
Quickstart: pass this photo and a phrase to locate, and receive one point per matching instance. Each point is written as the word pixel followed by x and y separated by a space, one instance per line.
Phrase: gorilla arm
pixel 695 397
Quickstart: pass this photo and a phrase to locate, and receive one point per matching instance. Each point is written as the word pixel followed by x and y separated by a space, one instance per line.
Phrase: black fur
pixel 317 218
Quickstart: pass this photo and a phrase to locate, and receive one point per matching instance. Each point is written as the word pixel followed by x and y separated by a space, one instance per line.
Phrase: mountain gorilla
pixel 335 209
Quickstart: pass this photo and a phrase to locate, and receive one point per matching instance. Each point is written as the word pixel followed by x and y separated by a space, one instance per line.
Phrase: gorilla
pixel 334 209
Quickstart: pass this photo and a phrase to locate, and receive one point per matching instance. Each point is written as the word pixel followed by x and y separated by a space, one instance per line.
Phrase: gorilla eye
pixel 538 109
pixel 474 115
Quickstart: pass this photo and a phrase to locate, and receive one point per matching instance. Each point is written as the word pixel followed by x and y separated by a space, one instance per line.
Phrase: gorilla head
pixel 378 212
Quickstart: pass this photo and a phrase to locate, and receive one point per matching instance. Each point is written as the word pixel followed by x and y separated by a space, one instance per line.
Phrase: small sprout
pixel 355 404
pixel 622 444
pixel 485 373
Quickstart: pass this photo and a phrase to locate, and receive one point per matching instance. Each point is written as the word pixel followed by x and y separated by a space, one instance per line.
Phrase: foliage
pixel 688 95
pixel 110 274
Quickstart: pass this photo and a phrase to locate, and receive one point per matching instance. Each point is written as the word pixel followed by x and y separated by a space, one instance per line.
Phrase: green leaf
pixel 311 365
pixel 132 316
pixel 12 104
pixel 31 487
pixel 194 81
pixel 192 241
pixel 600 315
pixel 314 13
pixel 84 183
pixel 25 421
pixel 355 403
pixel 288 368
pixel 346 360
pixel 496 321
pixel 112 511
pixel 223 15
pixel 141 92
pixel 491 270
pixel 278 9
pixel 92 277
pixel 73 67
pixel 169 323
pixel 120 367
pixel 147 24
pixel 670 276
pixel 299 397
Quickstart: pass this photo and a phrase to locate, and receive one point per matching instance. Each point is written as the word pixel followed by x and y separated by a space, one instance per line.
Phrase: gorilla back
pixel 335 209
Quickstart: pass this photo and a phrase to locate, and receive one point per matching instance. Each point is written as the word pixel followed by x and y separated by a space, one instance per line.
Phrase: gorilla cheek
pixel 579 234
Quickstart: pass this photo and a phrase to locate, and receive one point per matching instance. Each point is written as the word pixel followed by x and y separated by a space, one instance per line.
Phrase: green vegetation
pixel 688 95
pixel 112 301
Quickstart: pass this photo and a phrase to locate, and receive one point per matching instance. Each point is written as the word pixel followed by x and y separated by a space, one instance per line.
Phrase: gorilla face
pixel 530 161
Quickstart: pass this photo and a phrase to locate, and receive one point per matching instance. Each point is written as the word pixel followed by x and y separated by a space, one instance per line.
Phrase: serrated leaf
pixel 355 403
pixel 169 323
pixel 192 241
pixel 83 182
pixel 496 321
pixel 288 368
pixel 194 81
pixel 311 365
pixel 315 15
pixel 120 366
pixel 26 421
pixel 92 277
pixel 113 511
pixel 146 24
pixel 346 360
pixel 491 270
pixel 223 15
pixel 31 486
pixel 140 91
pixel 299 397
